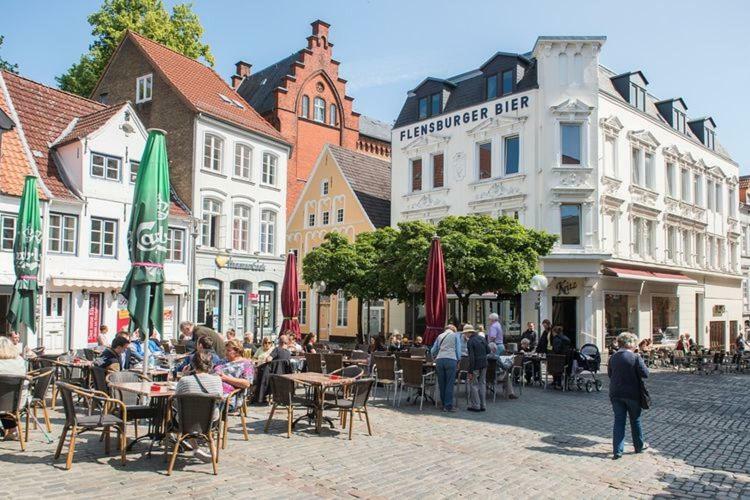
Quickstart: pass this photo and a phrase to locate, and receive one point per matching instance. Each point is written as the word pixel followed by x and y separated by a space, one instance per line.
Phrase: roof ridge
pixel 139 35
pixel 56 89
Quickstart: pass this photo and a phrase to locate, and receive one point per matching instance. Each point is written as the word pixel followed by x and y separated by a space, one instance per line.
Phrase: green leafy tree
pixel 334 262
pixel 181 31
pixel 5 65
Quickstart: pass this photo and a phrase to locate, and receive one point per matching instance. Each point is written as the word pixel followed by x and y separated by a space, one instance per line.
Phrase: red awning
pixel 644 275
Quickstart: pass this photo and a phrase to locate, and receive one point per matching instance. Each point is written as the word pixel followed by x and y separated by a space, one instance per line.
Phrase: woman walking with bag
pixel 627 393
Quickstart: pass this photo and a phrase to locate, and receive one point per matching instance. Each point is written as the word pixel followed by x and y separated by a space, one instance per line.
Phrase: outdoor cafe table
pixel 158 400
pixel 319 383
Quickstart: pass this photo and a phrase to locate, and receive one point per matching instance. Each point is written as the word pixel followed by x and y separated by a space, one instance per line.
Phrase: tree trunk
pixel 360 337
pixel 464 301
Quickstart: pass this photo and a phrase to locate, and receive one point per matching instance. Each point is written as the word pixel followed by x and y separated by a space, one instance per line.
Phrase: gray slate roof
pixel 257 89
pixel 370 178
pixel 374 128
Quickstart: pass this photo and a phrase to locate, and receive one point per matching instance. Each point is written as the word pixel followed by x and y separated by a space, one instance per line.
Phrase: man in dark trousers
pixel 478 350
pixel 543 347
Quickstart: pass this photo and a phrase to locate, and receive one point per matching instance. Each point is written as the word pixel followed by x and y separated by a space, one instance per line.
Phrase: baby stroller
pixel 586 360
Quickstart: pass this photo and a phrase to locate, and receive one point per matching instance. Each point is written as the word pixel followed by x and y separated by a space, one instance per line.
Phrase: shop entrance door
pixel 565 314
pixel 237 308
pixel 56 322
pixel 717 330
pixel 324 317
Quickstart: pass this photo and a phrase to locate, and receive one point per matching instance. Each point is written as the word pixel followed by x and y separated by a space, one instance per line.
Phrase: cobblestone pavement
pixel 546 444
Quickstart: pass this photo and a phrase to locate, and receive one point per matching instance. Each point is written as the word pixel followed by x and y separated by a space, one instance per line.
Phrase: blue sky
pixel 691 49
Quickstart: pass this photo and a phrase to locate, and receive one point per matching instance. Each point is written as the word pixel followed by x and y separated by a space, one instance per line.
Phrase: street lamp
pixel 539 284
pixel 318 287
pixel 414 288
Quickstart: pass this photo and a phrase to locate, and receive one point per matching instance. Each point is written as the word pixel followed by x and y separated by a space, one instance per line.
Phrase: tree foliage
pixel 334 262
pixel 181 31
pixel 5 65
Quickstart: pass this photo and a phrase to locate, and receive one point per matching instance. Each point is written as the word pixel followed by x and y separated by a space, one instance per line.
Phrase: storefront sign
pixel 223 261
pixel 168 324
pixel 253 296
pixel 457 119
pixel 564 287
pixel 719 310
pixel 123 317
pixel 95 316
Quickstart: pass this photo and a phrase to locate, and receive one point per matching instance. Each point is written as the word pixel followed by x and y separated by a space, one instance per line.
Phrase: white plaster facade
pixel 239 266
pixel 624 220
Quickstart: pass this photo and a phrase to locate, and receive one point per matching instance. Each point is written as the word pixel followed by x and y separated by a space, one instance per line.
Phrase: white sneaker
pixel 202 455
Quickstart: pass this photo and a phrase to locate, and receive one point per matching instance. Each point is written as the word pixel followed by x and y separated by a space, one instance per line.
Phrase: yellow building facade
pixel 347 192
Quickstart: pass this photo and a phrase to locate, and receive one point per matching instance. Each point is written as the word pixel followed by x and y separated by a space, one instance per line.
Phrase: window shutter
pixel 223 241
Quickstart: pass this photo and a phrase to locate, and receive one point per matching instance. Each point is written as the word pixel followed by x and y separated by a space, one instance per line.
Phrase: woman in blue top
pixel 154 346
pixel 446 351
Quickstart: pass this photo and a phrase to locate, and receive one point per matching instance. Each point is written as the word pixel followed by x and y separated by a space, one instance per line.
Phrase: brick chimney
pixel 242 69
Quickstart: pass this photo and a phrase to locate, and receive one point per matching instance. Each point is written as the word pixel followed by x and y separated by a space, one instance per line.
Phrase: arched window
pixel 332 117
pixel 320 110
pixel 241 228
pixel 268 232
pixel 305 112
pixel 211 227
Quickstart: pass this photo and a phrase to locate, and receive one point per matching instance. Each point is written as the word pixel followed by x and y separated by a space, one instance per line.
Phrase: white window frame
pixel 6 244
pixel 106 167
pixel 175 246
pixel 685 194
pixel 333 115
pixel 325 187
pixel 611 170
pixel 504 153
pixel 339 215
pixel 270 172
pixel 243 161
pixel 649 169
pixel 319 110
pixel 134 173
pixel 241 227
pixel 342 310
pixel 302 307
pixel 671 179
pixel 311 219
pixel 305 112
pixel 62 230
pixel 268 231
pixel 210 217
pixel 103 223
pixel 144 93
pixel 580 226
pixel 215 154
pixel 583 130
pixel 325 217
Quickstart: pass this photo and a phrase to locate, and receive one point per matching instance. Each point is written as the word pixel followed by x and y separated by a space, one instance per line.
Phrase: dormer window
pixel 430 105
pixel 491 87
pixel 637 96
pixel 679 121
pixel 704 129
pixel 507 81
pixel 710 138
pixel 144 88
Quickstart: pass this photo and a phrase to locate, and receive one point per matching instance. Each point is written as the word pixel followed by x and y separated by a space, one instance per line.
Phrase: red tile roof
pixel 202 88
pixel 44 113
pixel 14 164
pixel 88 124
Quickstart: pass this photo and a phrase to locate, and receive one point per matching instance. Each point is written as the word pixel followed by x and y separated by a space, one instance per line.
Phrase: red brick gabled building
pixel 304 97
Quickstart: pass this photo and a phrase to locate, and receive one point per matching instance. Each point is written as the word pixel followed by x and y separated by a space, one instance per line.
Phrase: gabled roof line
pixel 22 136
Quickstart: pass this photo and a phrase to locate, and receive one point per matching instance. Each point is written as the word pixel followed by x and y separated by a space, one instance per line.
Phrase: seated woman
pixel 11 363
pixel 237 372
pixel 263 351
pixel 292 344
pixel 502 372
pixel 154 345
pixel 308 344
pixel 248 341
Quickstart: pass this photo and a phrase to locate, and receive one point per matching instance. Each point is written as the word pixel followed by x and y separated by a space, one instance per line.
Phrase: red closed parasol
pixel 290 297
pixel 435 293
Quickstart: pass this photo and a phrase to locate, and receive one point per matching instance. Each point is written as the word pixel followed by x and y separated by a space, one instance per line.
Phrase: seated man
pixel 281 351
pixel 503 371
pixel 237 372
pixel 116 357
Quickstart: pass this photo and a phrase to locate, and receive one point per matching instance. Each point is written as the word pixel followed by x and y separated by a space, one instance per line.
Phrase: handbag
pixel 645 399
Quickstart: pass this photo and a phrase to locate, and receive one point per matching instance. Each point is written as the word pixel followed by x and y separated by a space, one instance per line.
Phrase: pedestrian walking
pixel 478 349
pixel 625 370
pixel 446 351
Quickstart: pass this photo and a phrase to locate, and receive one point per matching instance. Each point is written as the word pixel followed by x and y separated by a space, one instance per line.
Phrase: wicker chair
pixel 283 393
pixel 360 355
pixel 418 352
pixel 99 379
pixel 194 420
pixel 314 362
pixel 11 393
pixel 136 410
pixel 518 370
pixel 98 417
pixel 333 362
pixel 40 382
pixel 239 408
pixel 415 378
pixel 386 374
pixel 357 402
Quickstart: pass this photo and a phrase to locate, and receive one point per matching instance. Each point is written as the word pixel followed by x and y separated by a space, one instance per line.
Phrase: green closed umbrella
pixel 27 247
pixel 147 240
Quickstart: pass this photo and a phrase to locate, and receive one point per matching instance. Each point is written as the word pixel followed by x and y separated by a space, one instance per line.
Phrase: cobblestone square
pixel 546 444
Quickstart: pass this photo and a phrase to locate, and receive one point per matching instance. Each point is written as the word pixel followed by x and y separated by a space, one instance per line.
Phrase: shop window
pixel 209 305
pixel 620 315
pixel 665 314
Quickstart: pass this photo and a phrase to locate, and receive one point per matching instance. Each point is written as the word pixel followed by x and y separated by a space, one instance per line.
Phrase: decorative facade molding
pixel 572 109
